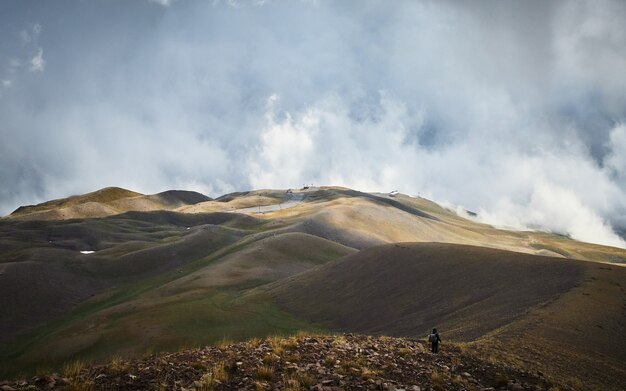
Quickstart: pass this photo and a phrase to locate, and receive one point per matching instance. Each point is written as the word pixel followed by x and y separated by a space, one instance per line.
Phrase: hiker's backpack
pixel 432 338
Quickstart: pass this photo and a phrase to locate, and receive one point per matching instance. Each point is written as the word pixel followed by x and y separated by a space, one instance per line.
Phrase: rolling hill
pixel 118 273
pixel 526 305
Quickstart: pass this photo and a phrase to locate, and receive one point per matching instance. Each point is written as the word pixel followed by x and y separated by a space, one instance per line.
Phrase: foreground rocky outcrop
pixel 324 363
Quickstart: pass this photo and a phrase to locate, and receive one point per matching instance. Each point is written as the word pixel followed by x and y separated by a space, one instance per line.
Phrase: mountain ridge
pixel 176 269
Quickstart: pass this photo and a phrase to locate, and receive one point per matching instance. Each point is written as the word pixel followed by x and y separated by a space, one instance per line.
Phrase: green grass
pixel 204 318
pixel 207 320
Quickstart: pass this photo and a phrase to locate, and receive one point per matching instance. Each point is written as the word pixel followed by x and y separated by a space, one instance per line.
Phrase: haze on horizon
pixel 516 110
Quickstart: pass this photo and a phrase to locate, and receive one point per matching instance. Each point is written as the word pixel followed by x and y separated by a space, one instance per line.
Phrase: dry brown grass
pixel 117 364
pixel 270 359
pixel 253 342
pixel 224 343
pixel 293 357
pixel 339 341
pixel 438 380
pixel 290 343
pixel 265 373
pixel 81 385
pixel 367 373
pixel 298 381
pixel 276 343
pixel 72 369
pixel 291 384
pixel 214 377
pixel 330 360
pixel 306 380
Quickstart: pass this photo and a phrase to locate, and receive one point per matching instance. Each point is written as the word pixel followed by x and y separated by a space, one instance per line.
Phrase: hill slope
pixel 518 302
pixel 107 202
pixel 175 269
pixel 405 289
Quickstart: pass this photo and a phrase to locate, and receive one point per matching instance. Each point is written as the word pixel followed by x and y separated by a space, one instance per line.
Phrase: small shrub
pixel 276 343
pixel 118 365
pixel 216 375
pixel 438 380
pixel 501 380
pixel 330 360
pixel 265 372
pixel 270 359
pixel 339 340
pixel 306 381
pixel 223 343
pixel 254 342
pixel 405 351
pixel 346 367
pixel 367 373
pixel 72 369
pixel 293 357
pixel 148 352
pixel 458 381
pixel 291 384
pixel 290 343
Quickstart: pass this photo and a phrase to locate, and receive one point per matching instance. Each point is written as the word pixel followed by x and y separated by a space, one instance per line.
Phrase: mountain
pixel 107 202
pixel 117 273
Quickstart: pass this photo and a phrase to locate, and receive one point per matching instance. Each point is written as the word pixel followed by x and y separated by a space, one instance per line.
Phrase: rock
pixel 7 388
pixel 466 374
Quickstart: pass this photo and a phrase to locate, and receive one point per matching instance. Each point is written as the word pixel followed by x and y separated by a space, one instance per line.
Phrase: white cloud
pixel 616 159
pixel 164 3
pixel 31 35
pixel 37 63
pixel 504 113
pixel 322 143
pixel 552 208
pixel 7 83
pixel 25 36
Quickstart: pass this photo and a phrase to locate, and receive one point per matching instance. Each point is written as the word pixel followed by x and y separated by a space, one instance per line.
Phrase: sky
pixel 515 110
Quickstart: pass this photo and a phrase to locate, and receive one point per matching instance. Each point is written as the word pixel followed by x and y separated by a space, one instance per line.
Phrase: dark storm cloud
pixel 513 109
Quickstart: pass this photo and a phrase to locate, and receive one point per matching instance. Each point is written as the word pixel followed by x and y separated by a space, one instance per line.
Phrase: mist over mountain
pixel 515 111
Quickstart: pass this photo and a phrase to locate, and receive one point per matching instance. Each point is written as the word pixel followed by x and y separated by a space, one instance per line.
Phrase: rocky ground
pixel 321 363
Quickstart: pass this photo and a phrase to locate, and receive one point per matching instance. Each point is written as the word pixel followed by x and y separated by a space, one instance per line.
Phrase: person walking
pixel 434 341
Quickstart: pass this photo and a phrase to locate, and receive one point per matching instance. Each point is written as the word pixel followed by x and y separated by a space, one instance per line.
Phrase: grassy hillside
pixel 109 201
pixel 404 289
pixel 177 269
pixel 194 304
pixel 562 317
